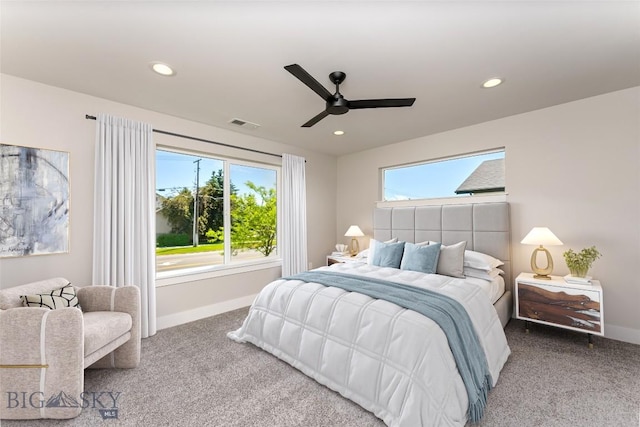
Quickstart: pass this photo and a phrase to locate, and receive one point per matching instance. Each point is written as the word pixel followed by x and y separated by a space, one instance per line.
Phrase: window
pixel 460 176
pixel 234 204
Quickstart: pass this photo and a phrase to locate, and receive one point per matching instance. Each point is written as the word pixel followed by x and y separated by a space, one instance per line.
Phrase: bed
pixel 406 368
pixel 484 226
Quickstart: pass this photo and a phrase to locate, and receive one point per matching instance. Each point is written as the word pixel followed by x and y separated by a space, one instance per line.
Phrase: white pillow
pixel 450 261
pixel 481 261
pixel 482 274
pixel 363 254
pixel 372 248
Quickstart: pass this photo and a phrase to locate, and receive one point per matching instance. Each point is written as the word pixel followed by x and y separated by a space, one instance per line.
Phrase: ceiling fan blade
pixel 316 119
pixel 308 80
pixel 381 103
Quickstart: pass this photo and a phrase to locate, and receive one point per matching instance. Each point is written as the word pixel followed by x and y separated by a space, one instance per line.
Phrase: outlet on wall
pixel 310 265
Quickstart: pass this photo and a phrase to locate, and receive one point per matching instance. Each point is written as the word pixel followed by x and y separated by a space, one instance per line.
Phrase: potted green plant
pixel 579 263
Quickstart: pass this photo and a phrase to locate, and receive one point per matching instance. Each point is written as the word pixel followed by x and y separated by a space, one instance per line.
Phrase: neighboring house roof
pixel 487 177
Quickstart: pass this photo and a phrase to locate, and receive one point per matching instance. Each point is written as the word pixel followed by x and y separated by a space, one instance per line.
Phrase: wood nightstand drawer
pixel 331 261
pixel 557 303
pixel 551 304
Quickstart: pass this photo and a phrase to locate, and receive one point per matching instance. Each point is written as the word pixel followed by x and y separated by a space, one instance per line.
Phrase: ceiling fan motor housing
pixel 337 104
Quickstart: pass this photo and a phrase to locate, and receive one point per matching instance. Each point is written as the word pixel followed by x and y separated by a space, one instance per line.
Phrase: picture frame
pixel 34 201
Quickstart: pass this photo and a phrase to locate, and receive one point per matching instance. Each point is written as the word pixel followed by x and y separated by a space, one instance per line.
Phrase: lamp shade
pixel 354 231
pixel 541 236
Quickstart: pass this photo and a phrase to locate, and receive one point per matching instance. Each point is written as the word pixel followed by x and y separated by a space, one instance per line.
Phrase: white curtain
pixel 124 211
pixel 294 215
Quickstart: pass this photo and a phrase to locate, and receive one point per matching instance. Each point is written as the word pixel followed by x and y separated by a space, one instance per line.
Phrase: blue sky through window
pixel 175 171
pixel 431 180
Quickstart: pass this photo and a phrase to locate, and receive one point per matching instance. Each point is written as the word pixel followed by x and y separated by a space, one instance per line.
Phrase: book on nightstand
pixel 578 280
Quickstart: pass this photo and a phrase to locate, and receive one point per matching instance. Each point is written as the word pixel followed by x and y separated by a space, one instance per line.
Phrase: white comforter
pixel 392 361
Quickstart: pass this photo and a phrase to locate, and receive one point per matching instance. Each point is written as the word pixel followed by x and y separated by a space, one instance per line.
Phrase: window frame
pixel 497 195
pixel 228 267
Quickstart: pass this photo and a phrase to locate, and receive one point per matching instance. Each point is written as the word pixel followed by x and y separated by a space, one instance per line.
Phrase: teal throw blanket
pixel 449 314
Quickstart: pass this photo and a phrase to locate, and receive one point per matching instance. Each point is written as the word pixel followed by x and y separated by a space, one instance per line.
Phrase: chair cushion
pixel 58 298
pixel 102 327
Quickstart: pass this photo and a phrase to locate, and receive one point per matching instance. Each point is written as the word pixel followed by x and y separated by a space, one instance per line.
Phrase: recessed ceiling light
pixel 492 82
pixel 162 69
pixel 338 132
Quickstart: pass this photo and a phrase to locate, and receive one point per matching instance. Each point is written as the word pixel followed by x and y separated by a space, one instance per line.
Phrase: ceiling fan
pixel 336 103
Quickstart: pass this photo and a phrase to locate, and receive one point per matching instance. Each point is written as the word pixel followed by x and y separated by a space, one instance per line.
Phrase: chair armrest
pixel 41 351
pixel 21 331
pixel 125 299
pixel 109 298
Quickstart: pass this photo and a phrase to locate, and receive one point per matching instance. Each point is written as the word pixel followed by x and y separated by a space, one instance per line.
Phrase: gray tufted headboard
pixel 484 226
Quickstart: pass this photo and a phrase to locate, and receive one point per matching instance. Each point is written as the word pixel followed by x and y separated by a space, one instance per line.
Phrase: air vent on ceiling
pixel 245 124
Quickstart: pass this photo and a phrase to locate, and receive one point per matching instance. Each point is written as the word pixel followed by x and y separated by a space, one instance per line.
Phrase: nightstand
pixel 334 259
pixel 555 302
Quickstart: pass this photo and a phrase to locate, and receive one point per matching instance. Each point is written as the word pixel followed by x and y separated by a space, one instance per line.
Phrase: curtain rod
pixel 88 117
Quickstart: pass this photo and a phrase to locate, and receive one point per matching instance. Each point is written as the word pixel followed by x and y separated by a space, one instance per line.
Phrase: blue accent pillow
pixel 420 258
pixel 388 254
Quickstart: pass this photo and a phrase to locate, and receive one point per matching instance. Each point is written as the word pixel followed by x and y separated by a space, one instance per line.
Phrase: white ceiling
pixel 229 58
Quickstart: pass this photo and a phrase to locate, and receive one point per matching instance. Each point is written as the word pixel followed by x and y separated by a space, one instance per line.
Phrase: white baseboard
pixel 621 333
pixel 176 319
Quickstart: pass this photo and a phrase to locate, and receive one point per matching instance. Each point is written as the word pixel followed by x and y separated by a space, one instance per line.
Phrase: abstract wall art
pixel 34 201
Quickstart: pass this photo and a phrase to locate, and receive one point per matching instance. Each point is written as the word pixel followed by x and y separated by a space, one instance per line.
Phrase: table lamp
pixel 541 236
pixel 353 232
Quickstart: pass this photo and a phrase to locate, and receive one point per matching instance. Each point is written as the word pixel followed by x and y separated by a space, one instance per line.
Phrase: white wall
pixel 573 168
pixel 33 114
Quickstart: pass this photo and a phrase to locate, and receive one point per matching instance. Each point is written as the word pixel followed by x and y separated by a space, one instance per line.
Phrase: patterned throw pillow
pixel 58 298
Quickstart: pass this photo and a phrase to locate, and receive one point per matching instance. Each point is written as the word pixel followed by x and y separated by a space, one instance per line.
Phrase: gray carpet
pixel 192 375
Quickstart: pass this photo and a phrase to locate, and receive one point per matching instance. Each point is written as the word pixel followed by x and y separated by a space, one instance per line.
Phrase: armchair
pixel 43 352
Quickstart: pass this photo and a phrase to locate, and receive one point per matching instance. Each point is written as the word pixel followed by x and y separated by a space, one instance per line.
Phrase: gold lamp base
pixel 541 273
pixel 354 248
